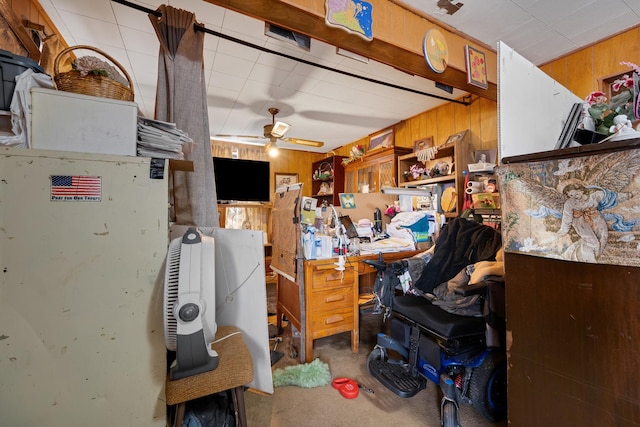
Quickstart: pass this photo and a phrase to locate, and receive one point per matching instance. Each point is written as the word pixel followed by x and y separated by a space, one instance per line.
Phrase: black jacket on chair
pixel 461 242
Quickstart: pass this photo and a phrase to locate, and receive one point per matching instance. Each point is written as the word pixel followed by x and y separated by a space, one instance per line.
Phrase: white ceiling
pixel 242 82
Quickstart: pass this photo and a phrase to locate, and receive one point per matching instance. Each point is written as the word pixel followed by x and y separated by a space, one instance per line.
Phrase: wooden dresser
pixel 331 301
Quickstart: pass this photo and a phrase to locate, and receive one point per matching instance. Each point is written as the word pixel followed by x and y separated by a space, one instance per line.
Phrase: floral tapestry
pixel 583 209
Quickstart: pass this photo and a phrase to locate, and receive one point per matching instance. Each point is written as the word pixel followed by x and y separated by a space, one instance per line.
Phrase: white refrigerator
pixel 83 239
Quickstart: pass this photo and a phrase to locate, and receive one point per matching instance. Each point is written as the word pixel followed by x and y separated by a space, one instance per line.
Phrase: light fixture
pixel 272 149
pixel 279 129
pixel 425 190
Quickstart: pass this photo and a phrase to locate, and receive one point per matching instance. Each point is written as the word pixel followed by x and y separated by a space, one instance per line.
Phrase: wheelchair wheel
pixel 488 387
pixel 449 414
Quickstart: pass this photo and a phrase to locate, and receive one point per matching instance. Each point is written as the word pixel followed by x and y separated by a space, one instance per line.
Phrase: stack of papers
pixel 391 244
pixel 160 139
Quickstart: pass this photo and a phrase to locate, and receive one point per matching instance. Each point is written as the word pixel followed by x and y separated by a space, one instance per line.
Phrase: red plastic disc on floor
pixel 349 390
pixel 339 382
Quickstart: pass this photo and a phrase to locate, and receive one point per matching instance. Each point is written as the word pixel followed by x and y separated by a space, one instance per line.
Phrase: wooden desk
pixel 324 301
pixel 235 369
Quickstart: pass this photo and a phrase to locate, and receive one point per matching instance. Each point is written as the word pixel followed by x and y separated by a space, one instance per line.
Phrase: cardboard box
pixel 67 121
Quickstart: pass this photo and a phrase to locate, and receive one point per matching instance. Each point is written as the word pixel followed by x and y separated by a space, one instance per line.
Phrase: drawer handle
pixel 334 298
pixel 333 319
pixel 325 267
pixel 333 277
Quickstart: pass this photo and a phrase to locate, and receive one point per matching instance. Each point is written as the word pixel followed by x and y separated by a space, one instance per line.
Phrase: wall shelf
pixel 457 155
pixel 328 188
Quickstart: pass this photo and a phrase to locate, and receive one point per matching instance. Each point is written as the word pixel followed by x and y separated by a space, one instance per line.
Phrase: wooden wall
pixel 581 70
pixel 480 118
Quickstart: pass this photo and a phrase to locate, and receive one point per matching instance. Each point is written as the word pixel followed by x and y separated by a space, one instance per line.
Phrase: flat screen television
pixel 241 180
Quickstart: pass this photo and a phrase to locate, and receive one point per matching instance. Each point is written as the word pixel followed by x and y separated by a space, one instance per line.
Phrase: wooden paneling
pixel 386 23
pixel 488 112
pixel 580 70
pixel 480 118
pixel 13 35
pixel 413 30
pixel 574 351
pixel 446 124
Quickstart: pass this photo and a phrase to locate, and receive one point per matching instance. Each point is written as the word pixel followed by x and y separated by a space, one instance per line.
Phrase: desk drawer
pixel 324 278
pixel 331 322
pixel 331 299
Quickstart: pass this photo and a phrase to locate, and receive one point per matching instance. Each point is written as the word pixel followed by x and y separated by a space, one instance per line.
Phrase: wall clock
pixel 435 51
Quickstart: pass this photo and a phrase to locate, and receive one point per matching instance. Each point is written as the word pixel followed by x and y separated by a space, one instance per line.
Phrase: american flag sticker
pixel 76 188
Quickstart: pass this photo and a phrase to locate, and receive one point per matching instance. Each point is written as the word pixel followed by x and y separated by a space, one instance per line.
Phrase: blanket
pixel 461 242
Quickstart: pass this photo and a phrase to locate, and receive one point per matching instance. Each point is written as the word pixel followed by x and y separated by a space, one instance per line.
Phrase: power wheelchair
pixel 461 347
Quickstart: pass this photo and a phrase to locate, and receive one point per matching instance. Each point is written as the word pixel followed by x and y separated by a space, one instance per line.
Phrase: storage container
pixel 89 124
pixel 11 66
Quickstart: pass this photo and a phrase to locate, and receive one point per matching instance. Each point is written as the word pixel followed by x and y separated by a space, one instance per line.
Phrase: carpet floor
pixel 324 406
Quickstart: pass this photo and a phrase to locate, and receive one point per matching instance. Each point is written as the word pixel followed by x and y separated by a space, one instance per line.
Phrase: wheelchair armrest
pixel 478 287
pixel 378 265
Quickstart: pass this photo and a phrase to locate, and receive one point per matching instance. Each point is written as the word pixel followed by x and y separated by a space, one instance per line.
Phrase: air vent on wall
pixel 292 37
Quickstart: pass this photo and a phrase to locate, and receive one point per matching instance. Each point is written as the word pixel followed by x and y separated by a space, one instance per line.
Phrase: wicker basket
pixel 324 172
pixel 72 81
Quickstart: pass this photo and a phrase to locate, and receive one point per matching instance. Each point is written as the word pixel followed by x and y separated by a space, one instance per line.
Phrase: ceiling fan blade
pixel 239 136
pixel 307 142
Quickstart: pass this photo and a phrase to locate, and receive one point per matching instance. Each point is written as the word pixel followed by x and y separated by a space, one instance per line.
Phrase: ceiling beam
pixel 301 21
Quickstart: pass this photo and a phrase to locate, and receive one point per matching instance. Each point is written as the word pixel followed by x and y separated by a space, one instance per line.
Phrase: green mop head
pixel 309 375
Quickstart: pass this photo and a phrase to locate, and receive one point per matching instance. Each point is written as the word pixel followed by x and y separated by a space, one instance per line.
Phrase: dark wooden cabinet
pixel 573 328
pixel 327 180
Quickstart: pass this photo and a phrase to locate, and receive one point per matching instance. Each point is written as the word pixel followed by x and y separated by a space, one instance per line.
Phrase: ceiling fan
pixel 275 131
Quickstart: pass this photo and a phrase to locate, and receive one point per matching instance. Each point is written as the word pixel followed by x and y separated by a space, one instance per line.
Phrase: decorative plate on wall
pixel 435 51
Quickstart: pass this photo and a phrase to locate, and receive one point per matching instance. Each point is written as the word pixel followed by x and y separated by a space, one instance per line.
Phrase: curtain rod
pixel 199 27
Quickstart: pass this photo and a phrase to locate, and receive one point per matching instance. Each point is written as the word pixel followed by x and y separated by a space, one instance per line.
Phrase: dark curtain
pixel 181 99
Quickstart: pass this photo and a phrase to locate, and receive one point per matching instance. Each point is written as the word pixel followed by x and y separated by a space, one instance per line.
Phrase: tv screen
pixel 241 180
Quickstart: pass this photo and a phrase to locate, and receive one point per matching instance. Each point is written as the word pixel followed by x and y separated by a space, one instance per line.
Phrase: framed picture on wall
pixel 422 144
pixel 382 139
pixel 476 67
pixel 282 180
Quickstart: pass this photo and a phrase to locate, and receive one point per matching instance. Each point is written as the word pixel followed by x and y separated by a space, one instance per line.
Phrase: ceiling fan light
pixel 272 149
pixel 279 129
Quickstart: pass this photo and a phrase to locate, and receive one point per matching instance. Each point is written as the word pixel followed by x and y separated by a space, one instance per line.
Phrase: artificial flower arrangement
pixel 357 151
pixel 416 171
pixel 92 65
pixel 601 113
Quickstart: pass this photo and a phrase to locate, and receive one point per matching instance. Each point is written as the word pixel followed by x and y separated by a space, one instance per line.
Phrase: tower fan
pixel 189 304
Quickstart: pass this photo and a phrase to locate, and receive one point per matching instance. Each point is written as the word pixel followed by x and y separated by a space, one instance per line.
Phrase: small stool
pixel 235 369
